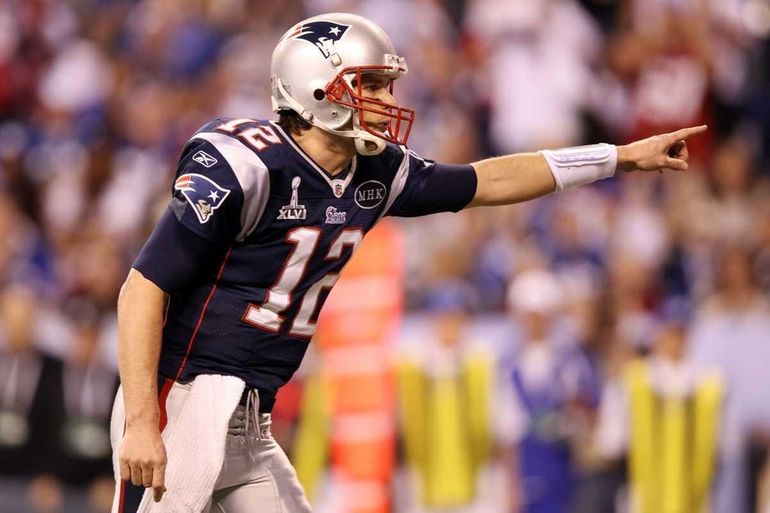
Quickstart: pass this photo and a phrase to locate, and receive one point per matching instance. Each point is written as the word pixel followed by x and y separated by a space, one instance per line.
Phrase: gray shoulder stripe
pixel 252 175
pixel 399 181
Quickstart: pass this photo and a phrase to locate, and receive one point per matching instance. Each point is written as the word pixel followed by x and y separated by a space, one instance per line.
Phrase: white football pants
pixel 256 476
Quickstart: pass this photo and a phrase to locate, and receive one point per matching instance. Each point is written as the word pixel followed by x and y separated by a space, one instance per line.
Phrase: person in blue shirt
pixel 549 394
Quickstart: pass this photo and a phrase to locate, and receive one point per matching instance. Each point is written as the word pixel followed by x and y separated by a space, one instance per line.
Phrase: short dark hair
pixel 292 122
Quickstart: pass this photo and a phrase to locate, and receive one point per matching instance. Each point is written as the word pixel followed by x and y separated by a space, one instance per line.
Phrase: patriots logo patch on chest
pixel 202 193
pixel 334 216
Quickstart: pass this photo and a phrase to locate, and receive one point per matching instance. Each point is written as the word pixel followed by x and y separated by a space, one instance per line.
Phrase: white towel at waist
pixel 195 444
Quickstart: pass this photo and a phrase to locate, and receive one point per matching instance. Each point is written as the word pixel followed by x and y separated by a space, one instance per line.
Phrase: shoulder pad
pixel 250 172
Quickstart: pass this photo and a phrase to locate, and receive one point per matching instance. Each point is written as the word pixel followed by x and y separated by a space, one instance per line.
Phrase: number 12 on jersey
pixel 257 137
pixel 279 296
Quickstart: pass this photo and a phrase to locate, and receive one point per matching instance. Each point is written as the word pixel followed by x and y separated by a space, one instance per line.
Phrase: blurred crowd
pixel 97 98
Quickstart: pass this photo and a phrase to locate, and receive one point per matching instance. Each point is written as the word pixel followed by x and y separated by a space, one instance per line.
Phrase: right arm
pixel 140 323
pixel 172 255
pixel 185 241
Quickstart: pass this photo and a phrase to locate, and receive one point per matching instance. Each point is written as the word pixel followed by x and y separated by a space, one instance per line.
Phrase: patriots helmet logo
pixel 323 34
pixel 202 193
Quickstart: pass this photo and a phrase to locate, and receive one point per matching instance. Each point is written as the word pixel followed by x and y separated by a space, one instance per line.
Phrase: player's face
pixel 368 91
pixel 377 87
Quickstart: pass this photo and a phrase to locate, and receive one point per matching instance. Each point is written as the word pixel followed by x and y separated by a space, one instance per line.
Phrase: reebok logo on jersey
pixel 334 216
pixel 204 158
pixel 202 193
pixel 293 210
pixel 370 194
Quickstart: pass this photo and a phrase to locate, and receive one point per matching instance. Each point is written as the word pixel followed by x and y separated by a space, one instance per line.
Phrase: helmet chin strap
pixel 370 146
pixel 366 144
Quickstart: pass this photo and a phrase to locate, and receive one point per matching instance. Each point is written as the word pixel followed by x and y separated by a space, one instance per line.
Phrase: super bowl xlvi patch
pixel 294 210
pixel 334 216
pixel 202 193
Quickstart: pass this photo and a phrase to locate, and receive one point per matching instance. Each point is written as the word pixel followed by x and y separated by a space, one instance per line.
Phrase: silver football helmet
pixel 316 72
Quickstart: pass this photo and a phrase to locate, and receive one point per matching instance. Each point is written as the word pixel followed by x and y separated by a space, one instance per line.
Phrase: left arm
pixel 524 176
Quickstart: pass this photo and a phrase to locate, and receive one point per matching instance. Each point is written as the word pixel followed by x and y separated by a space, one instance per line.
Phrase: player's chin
pixel 380 128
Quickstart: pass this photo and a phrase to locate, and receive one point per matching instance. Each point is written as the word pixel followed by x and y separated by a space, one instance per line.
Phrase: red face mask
pixel 400 119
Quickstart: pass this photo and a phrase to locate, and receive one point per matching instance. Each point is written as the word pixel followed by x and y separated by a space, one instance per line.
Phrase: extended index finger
pixel 158 482
pixel 684 133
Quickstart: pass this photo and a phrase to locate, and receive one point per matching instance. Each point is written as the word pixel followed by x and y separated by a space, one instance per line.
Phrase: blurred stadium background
pixel 460 350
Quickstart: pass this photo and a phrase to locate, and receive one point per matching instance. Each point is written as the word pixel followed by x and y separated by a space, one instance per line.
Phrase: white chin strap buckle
pixel 366 143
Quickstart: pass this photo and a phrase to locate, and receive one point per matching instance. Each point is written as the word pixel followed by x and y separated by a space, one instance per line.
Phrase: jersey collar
pixel 337 185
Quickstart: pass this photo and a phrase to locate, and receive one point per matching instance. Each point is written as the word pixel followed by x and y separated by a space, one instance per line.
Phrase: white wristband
pixel 580 165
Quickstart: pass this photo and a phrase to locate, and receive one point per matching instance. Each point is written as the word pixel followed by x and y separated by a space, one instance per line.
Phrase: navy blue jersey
pixel 280 230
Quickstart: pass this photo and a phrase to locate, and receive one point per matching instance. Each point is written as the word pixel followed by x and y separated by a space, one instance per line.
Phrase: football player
pixel 222 301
